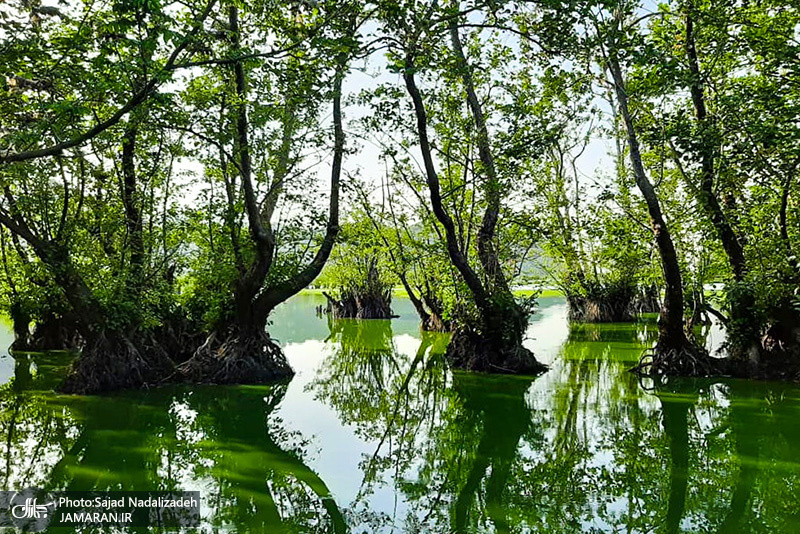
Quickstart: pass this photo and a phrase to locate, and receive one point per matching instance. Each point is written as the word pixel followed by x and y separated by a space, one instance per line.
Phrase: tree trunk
pixel 492 187
pixel 21 321
pixel 671 334
pixel 133 216
pixel 451 241
pixel 241 351
pixel 708 199
pixel 745 330
pixel 281 291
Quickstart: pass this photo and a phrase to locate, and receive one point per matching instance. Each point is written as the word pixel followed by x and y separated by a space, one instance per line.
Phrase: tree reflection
pixel 32 434
pixel 500 409
pixel 261 485
pixel 393 399
pixel 220 440
pixel 583 448
pixel 461 433
pixel 677 400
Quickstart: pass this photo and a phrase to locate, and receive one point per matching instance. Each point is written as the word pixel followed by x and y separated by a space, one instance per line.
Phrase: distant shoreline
pixel 522 291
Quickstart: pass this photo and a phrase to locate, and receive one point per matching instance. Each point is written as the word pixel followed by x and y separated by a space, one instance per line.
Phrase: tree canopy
pixel 173 171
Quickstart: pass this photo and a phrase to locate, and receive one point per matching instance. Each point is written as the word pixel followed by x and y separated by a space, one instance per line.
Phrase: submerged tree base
pixel 112 362
pixel 53 333
pixel 612 303
pixel 360 306
pixel 473 352
pixel 684 359
pixel 694 361
pixel 587 310
pixel 236 358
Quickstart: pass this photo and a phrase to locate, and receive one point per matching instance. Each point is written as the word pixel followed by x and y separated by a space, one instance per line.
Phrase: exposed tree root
pixel 236 358
pixel 473 352
pixel 180 337
pixel 776 357
pixel 687 359
pixel 587 310
pixel 612 304
pixel 368 298
pixel 112 361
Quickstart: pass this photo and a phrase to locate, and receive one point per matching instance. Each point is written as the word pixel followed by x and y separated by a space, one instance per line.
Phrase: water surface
pixel 375 434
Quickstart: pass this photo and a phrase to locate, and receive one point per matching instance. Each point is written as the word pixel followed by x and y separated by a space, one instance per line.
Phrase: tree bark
pixel 133 217
pixel 248 285
pixel 254 302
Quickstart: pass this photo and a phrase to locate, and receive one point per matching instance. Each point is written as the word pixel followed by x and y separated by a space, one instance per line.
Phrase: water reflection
pixel 583 448
pixel 222 441
pixel 418 448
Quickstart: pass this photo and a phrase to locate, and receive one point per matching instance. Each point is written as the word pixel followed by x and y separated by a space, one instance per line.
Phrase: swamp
pixel 400 266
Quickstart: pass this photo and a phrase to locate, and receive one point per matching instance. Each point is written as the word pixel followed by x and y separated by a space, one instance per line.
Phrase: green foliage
pixel 360 257
pixel 537 72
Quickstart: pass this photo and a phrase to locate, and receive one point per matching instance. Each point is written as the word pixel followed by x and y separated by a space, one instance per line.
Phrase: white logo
pixel 30 509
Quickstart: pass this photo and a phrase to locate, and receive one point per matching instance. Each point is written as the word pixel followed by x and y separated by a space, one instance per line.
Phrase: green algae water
pixel 375 434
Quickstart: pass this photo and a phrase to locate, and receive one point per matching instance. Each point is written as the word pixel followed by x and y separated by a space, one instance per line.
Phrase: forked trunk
pixel 495 345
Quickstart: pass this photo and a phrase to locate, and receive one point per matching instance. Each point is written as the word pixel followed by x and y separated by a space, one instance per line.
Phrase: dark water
pixel 375 434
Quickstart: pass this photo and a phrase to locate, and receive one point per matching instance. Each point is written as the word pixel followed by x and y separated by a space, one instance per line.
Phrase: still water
pixel 375 434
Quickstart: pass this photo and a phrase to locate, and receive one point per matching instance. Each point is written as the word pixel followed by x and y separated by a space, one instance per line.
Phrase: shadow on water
pixel 418 448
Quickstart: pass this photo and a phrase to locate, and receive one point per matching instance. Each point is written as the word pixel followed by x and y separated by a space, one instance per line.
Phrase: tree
pixel 603 255
pixel 238 348
pixel 730 158
pixel 492 340
pixel 675 352
pixel 60 200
